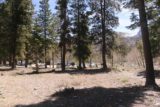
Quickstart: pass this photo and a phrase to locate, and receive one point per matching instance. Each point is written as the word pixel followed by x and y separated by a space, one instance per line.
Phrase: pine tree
pixel 54 36
pixel 5 31
pixel 104 19
pixel 143 22
pixel 2 33
pixel 80 30
pixel 18 27
pixel 36 43
pixel 150 76
pixel 45 19
pixel 153 12
pixel 62 8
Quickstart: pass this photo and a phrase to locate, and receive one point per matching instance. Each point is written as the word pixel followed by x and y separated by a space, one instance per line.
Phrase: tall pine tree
pixel 19 27
pixel 104 19
pixel 45 20
pixel 143 22
pixel 62 8
pixel 80 29
pixel 150 76
pixel 36 43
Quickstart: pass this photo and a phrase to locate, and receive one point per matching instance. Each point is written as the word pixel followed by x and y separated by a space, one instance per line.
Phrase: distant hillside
pixel 131 40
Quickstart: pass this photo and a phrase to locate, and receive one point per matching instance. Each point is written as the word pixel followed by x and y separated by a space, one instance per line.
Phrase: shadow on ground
pixel 85 71
pixel 41 72
pixel 143 74
pixel 5 69
pixel 93 97
pixel 72 72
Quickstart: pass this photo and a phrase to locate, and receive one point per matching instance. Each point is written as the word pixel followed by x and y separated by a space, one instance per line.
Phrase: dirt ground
pixel 90 88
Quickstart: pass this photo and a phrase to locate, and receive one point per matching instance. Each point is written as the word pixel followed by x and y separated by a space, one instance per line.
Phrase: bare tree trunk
pixel 150 76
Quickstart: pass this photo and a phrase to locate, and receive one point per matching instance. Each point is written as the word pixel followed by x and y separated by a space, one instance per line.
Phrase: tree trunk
pixel 112 59
pixel 150 76
pixel 26 62
pixel 63 35
pixel 10 60
pixel 84 65
pixel 103 34
pixel 78 27
pixel 37 67
pixel 13 61
pixel 80 64
pixel 1 63
pixel 13 50
pixel 52 59
pixel 45 54
pixel 4 62
pixel 21 63
pixel 14 36
pixel 63 57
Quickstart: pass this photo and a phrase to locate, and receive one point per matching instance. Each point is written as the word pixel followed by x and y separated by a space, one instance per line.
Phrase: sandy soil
pixel 20 88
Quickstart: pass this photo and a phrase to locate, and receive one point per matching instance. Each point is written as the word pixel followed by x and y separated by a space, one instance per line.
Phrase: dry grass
pixel 90 90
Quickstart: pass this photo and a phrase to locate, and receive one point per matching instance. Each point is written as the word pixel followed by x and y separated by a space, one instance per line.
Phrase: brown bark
pixel 13 65
pixel 80 64
pixel 14 37
pixel 63 36
pixel 26 62
pixel 52 59
pixel 103 34
pixel 45 47
pixel 78 20
pixel 84 65
pixel 63 58
pixel 150 76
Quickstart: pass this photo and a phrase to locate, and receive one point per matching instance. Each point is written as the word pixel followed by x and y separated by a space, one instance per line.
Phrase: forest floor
pixel 90 88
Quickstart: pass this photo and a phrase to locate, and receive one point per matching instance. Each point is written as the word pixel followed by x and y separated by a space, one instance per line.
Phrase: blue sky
pixel 124 20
